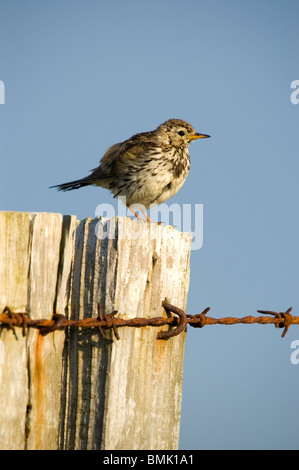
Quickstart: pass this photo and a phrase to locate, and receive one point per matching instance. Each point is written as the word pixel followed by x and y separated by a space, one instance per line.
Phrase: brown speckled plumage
pixel 148 168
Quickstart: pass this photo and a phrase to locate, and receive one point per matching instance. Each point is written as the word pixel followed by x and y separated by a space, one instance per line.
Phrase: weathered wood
pixel 14 266
pixel 125 394
pixel 74 389
pixel 30 249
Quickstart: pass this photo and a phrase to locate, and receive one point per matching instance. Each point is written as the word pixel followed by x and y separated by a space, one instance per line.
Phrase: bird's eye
pixel 181 133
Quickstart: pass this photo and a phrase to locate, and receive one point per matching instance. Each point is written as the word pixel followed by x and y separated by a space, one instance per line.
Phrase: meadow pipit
pixel 146 169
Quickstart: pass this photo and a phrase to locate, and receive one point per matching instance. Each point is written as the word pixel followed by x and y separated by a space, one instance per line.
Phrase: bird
pixel 147 169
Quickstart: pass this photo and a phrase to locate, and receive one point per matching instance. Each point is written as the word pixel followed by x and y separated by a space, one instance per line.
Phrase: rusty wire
pixel 102 322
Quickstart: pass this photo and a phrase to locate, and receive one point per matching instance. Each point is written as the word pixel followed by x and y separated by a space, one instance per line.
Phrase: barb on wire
pixel 283 319
pixel 177 323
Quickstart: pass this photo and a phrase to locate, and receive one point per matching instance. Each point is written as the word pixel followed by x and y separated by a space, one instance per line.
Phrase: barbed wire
pixel 177 324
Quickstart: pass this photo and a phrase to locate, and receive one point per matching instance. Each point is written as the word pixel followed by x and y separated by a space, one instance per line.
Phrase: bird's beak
pixel 198 136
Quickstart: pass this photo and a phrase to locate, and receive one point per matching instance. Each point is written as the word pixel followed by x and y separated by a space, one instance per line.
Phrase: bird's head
pixel 179 133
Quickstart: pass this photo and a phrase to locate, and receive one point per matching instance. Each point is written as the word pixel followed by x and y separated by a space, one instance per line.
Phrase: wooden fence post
pixel 35 262
pixel 74 389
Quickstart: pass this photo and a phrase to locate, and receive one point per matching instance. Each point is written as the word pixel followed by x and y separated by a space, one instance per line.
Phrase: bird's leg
pixel 146 216
pixel 137 216
pixel 135 213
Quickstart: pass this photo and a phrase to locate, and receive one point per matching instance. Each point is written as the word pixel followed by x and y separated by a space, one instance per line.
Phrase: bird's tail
pixel 72 184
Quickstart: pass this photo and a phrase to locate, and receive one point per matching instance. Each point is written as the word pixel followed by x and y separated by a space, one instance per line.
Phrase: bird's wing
pixel 120 155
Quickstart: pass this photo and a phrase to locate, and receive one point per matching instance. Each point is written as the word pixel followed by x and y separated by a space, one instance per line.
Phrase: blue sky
pixel 80 76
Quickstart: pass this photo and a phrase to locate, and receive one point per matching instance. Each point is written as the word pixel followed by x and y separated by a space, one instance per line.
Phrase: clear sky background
pixel 82 75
